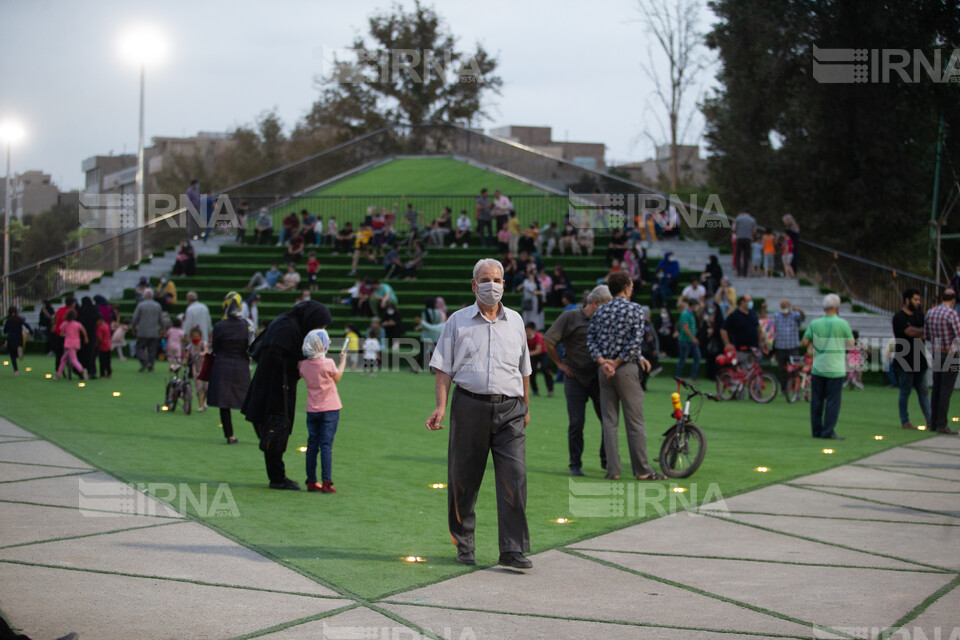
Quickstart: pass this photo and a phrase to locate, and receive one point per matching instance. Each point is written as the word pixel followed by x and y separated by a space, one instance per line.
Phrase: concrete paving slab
pixel 877 478
pixel 453 625
pixel 943 503
pixel 89 492
pixel 927 473
pixel 946 443
pixel 44 603
pixel 932 544
pixel 16 438
pixel 16 472
pixel 940 616
pixel 797 501
pixel 7 428
pixel 185 551
pixel 912 457
pixel 39 452
pixel 22 523
pixel 683 535
pixel 822 595
pixel 557 586
pixel 355 624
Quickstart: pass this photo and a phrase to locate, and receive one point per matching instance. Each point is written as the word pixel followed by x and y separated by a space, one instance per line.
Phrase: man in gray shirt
pixel 743 227
pixel 485 218
pixel 146 322
pixel 197 315
pixel 483 349
pixel 580 382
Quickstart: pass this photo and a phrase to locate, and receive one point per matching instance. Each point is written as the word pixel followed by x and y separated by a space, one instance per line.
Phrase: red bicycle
pixel 798 378
pixel 735 378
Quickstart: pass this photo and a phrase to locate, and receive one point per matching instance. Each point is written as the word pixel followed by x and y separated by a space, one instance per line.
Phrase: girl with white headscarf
pixel 323 406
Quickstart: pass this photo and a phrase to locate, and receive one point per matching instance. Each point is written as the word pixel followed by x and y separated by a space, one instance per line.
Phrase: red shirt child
pixel 103 336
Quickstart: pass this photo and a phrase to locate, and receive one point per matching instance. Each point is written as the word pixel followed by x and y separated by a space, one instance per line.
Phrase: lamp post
pixel 10 132
pixel 142 46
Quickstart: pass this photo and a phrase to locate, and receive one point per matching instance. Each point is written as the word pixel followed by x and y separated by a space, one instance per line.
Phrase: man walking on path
pixel 830 336
pixel 580 382
pixel 786 342
pixel 483 349
pixel 943 331
pixel 909 358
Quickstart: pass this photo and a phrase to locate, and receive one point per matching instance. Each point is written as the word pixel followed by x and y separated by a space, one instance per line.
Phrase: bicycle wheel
pixel 171 396
pixel 682 453
pixel 186 392
pixel 764 387
pixel 726 384
pixel 793 390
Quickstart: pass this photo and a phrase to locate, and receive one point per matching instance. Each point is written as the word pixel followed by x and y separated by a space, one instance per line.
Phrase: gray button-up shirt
pixel 484 356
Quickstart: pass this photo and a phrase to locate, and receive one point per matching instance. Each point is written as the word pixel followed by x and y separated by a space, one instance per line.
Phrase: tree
pixel 853 162
pixel 256 150
pixel 673 26
pixel 411 74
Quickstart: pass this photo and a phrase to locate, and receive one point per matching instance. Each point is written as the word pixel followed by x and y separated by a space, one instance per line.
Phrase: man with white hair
pixel 830 337
pixel 580 381
pixel 197 315
pixel 483 349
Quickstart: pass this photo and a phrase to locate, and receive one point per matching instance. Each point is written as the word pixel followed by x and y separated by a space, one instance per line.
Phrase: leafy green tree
pixel 853 162
pixel 412 73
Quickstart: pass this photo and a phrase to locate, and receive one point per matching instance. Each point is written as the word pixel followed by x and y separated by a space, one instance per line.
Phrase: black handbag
pixel 274 435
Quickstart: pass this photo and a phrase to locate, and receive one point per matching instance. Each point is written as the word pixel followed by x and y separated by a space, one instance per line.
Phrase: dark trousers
pixel 485 231
pixel 147 351
pixel 227 421
pixel 824 405
pixel 478 428
pixel 106 368
pixel 944 377
pixel 743 257
pixel 783 359
pixel 907 382
pixel 577 396
pixel 275 469
pixel 14 350
pixel 322 427
pixel 539 363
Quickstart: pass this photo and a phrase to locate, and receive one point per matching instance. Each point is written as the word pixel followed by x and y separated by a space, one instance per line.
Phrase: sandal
pixel 610 477
pixel 652 476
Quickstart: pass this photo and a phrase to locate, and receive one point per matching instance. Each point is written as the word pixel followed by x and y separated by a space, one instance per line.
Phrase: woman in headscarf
pixel 273 390
pixel 105 308
pixel 47 318
pixel 87 315
pixel 230 376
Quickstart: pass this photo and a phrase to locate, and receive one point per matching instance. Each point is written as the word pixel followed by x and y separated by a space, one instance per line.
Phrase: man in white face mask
pixel 483 349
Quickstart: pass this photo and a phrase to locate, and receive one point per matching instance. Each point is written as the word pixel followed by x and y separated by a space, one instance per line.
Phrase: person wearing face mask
pixel 786 327
pixel 909 364
pixel 483 349
pixel 741 331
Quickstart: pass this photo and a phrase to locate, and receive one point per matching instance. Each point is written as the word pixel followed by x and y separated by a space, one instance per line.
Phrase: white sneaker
pixel 465 245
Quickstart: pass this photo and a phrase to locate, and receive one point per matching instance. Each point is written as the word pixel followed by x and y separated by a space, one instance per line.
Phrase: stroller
pixel 179 387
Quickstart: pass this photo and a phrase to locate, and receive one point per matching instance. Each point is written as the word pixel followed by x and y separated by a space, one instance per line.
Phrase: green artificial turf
pixel 427 176
pixel 385 462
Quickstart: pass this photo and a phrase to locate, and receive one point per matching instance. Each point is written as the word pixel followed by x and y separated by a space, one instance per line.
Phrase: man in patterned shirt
pixel 614 339
pixel 942 330
pixel 786 342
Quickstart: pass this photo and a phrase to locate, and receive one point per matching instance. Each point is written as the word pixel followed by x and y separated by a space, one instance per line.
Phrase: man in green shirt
pixel 830 336
pixel 687 342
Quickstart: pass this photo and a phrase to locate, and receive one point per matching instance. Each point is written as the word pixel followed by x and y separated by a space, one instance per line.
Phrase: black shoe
pixel 835 437
pixel 576 471
pixel 466 557
pixel 515 559
pixel 946 431
pixel 287 483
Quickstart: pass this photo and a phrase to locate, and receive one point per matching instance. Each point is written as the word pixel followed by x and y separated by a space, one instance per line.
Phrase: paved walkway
pixel 844 553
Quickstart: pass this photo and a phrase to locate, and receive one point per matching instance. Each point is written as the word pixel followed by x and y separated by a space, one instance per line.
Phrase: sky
pixel 573 66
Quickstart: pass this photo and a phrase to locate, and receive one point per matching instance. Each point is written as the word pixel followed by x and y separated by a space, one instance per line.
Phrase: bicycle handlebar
pixel 696 392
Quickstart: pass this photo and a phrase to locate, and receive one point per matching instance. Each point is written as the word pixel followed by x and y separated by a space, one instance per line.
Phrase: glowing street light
pixel 10 133
pixel 142 46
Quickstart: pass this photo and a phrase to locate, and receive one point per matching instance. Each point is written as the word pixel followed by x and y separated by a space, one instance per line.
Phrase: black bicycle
pixel 179 387
pixel 685 444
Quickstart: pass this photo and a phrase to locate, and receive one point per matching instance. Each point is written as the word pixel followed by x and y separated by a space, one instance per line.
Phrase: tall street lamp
pixel 142 46
pixel 10 132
